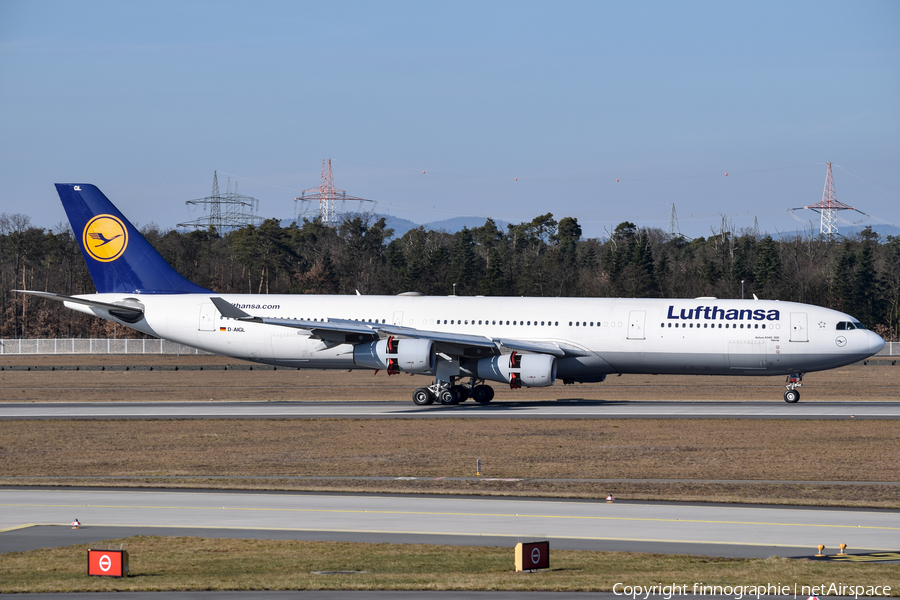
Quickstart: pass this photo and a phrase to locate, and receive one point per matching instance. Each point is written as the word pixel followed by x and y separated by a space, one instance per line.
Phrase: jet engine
pixel 518 370
pixel 393 355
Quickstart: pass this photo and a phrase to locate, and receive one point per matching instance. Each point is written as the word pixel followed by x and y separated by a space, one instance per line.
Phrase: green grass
pixel 181 563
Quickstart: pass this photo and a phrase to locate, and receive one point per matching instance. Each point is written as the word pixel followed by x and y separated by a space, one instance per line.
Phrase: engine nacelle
pixel 393 355
pixel 518 370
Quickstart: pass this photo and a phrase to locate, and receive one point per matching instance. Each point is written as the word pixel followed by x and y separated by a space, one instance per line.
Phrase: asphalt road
pixel 31 518
pixel 571 409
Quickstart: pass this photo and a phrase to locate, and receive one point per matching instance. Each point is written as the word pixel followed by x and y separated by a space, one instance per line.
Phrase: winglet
pixel 230 311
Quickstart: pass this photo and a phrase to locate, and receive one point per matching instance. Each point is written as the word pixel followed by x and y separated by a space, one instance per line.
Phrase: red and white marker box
pixel 532 555
pixel 108 563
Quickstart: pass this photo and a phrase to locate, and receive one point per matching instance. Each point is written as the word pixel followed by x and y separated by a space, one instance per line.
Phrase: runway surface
pixel 569 409
pixel 31 518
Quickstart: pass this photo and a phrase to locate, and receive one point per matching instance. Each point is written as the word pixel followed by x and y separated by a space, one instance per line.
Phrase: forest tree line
pixel 859 275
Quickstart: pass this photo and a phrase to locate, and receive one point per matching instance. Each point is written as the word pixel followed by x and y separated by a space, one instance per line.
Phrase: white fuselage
pixel 599 335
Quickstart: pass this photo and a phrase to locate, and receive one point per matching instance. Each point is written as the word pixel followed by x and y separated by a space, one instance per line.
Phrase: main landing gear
pixel 793 382
pixel 449 393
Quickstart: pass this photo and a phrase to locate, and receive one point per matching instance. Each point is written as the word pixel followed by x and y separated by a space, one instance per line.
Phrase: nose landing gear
pixel 793 382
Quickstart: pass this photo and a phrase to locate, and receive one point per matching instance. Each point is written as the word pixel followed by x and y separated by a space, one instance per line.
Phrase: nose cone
pixel 876 342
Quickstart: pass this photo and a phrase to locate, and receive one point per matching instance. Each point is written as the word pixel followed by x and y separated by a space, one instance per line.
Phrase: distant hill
pixel 882 230
pixel 401 226
pixel 457 223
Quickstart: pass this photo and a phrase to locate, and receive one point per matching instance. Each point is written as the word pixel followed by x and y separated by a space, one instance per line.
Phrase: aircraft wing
pixel 346 331
pixel 474 340
pixel 540 347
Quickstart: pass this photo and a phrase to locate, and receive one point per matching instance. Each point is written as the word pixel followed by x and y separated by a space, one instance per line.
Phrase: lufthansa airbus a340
pixel 461 342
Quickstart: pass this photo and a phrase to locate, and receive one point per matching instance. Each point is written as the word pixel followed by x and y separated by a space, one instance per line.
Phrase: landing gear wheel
pixel 462 392
pixel 422 397
pixel 791 396
pixel 482 394
pixel 448 396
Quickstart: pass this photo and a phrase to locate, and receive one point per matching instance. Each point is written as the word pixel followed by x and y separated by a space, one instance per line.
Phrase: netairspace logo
pixel 809 592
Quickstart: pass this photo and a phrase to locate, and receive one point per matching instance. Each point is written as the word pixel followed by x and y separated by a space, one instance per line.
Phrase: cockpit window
pixel 857 325
pixel 842 326
pixel 849 325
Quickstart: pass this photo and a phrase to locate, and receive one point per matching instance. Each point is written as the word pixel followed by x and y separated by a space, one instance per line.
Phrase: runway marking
pixel 454 514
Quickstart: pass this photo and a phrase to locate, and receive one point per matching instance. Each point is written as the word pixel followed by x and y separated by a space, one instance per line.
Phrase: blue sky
pixel 146 99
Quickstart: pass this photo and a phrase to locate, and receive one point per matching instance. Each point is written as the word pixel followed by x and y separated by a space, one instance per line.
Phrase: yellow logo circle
pixel 105 238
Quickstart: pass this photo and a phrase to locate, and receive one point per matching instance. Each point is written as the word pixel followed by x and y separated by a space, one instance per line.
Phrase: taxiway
pixel 32 517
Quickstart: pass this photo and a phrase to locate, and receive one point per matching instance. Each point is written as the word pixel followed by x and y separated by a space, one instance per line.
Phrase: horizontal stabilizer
pixel 131 310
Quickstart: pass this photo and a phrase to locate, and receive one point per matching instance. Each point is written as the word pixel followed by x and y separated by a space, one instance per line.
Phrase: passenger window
pixel 570 323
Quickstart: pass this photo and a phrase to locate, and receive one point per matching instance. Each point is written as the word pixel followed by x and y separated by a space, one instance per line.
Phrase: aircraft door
pixel 799 332
pixel 207 317
pixel 398 318
pixel 636 322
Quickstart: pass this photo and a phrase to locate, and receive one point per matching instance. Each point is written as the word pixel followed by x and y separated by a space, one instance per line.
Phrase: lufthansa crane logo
pixel 105 238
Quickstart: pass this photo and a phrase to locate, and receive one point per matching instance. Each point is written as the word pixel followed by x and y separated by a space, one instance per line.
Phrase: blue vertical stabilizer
pixel 119 258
